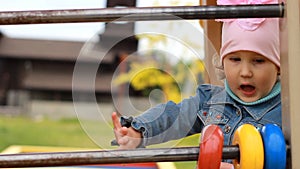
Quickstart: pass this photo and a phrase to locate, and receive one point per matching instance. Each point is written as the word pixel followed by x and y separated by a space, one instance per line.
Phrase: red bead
pixel 211 147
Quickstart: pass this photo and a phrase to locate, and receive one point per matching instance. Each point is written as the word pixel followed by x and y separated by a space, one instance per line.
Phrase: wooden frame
pixel 290 50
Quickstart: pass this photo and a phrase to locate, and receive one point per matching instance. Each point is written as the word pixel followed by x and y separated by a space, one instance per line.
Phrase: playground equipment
pixel 247 151
pixel 141 14
pixel 290 36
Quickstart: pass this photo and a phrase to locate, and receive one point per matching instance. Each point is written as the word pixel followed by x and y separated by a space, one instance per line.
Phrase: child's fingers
pixel 124 131
pixel 128 142
pixel 226 166
pixel 123 141
pixel 116 122
pixel 124 136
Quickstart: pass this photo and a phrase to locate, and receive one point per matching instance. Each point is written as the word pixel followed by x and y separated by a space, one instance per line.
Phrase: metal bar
pixel 107 157
pixel 141 14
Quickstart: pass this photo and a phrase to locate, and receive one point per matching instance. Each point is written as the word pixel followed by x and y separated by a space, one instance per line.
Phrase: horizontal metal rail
pixel 108 157
pixel 141 14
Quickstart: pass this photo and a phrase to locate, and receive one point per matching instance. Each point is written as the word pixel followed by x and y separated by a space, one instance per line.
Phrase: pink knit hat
pixel 260 35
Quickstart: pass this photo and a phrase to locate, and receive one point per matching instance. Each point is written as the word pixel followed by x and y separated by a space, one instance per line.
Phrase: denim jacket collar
pixel 256 111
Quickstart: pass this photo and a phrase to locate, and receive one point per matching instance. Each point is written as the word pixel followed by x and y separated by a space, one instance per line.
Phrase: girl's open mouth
pixel 247 89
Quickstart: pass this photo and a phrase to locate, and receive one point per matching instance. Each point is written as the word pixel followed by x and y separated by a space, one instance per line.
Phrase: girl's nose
pixel 246 71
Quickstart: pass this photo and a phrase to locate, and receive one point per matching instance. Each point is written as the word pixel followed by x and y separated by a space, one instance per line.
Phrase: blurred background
pixel 53 94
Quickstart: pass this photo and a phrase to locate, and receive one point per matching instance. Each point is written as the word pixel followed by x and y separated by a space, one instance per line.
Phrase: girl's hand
pixel 226 166
pixel 127 138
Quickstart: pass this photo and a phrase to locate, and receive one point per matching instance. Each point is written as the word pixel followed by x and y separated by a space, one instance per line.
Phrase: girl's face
pixel 250 75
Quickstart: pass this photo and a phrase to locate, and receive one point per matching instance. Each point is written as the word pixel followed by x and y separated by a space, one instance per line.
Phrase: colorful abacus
pixel 263 148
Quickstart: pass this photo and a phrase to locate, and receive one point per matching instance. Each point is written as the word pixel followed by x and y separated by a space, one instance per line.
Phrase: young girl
pixel 251 92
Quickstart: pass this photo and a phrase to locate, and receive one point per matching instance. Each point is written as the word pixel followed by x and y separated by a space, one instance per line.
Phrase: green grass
pixel 23 131
pixel 66 133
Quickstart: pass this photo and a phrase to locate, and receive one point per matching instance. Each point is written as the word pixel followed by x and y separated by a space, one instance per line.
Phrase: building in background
pixel 40 69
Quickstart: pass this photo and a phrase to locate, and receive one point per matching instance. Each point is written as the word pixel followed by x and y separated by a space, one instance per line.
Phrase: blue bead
pixel 274 147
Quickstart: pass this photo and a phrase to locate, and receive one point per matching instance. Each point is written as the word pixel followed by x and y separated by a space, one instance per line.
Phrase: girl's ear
pixel 278 71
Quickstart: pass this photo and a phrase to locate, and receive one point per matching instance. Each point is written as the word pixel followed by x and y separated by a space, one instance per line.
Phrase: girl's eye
pixel 235 59
pixel 259 60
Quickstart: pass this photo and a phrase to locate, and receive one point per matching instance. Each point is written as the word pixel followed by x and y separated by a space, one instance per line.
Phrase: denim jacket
pixel 210 105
